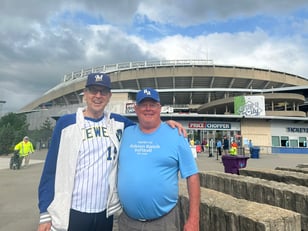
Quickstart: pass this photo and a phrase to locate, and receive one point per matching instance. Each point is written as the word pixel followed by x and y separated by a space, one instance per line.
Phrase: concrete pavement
pixel 18 188
pixel 18 196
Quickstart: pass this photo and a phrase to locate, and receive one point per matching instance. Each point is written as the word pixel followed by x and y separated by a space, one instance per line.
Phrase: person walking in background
pixel 203 145
pixel 226 145
pixel 24 148
pixel 218 146
pixel 250 145
pixel 234 146
pixel 151 155
pixel 77 190
pixel 211 147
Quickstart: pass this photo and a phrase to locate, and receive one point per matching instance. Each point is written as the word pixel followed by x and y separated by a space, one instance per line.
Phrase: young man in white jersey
pixel 151 156
pixel 77 191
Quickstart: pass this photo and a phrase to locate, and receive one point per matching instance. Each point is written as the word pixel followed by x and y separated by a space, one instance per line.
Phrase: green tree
pixel 13 127
pixel 42 136
pixel 46 129
pixel 6 139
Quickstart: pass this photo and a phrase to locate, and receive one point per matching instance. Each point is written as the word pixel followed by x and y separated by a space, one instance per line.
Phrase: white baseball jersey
pixel 93 168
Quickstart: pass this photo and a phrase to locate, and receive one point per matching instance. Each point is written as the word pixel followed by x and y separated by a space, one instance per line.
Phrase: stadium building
pixel 244 103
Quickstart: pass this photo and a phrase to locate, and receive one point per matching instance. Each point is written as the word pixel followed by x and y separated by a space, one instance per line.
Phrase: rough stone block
pixel 288 177
pixel 287 196
pixel 292 169
pixel 222 212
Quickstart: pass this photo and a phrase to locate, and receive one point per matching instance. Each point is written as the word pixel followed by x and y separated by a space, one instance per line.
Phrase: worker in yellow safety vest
pixel 24 148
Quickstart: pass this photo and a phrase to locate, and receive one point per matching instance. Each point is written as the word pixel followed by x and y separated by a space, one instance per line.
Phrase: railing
pixel 147 64
pixel 133 65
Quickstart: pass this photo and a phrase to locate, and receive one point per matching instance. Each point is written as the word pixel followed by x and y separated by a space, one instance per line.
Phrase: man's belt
pixel 157 218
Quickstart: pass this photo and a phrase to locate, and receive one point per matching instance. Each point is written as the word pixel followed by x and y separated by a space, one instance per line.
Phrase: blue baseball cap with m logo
pixel 98 79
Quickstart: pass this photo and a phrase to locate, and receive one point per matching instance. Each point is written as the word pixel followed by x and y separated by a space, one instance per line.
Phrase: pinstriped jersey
pixel 93 167
pixel 65 155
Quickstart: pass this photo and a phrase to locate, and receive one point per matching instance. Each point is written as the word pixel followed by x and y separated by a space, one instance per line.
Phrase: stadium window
pixel 302 142
pixel 275 141
pixel 284 141
pixel 294 143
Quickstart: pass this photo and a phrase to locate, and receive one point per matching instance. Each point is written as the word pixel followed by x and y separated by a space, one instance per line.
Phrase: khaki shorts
pixel 169 222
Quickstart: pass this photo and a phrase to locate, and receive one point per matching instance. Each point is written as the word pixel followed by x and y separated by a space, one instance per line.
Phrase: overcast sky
pixel 41 41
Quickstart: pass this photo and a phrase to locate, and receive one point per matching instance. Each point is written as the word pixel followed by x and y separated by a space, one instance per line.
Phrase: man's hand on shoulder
pixel 179 126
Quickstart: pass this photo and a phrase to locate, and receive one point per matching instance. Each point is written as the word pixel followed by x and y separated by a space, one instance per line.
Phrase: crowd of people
pixel 221 146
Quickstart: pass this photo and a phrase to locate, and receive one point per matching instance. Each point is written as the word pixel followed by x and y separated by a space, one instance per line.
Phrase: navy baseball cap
pixel 98 79
pixel 147 93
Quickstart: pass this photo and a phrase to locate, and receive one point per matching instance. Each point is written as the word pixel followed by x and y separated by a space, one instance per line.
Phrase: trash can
pixel 255 152
pixel 232 164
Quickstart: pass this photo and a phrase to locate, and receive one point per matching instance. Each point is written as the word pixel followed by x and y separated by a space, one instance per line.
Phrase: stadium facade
pixel 204 97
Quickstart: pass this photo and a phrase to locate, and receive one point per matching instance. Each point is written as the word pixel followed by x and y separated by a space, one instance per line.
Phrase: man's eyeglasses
pixel 148 105
pixel 102 91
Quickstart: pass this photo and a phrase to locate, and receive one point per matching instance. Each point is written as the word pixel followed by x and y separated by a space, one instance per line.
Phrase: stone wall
pixel 292 169
pixel 267 192
pixel 288 177
pixel 222 212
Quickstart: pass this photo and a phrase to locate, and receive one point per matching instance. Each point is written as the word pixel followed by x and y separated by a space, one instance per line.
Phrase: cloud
pixel 44 40
pixel 191 12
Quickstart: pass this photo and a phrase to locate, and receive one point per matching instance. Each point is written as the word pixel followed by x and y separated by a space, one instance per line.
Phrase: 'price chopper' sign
pixel 210 126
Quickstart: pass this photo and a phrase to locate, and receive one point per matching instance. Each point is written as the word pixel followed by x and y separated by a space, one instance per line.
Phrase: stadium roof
pixel 190 83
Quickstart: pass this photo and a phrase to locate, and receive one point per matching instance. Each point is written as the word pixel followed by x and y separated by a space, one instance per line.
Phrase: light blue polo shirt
pixel 148 170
